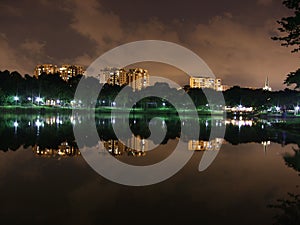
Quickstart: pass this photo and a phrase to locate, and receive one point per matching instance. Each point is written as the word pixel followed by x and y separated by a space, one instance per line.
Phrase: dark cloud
pixel 232 36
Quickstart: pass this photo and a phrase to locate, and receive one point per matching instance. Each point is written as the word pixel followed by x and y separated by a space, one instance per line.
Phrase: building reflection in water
pixel 135 146
pixel 200 145
pixel 63 150
pixel 265 145
pixel 240 123
pixel 138 147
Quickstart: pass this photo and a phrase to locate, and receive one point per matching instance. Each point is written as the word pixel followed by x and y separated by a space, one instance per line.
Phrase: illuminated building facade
pixel 206 82
pixel 239 108
pixel 109 75
pixel 136 78
pixel 66 71
pixel 45 68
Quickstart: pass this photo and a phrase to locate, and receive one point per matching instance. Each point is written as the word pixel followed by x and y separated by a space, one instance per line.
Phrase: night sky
pixel 232 36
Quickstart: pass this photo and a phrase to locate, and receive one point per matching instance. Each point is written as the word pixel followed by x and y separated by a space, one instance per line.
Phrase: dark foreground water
pixel 45 180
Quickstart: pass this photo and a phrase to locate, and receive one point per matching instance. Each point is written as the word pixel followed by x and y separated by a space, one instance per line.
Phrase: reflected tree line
pixel 289 207
pixel 50 131
pixel 289 37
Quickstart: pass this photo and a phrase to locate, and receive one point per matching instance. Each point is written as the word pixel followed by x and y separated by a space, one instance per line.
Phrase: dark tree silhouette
pixel 290 30
pixel 289 213
pixel 293 78
pixel 290 26
pixel 290 209
pixel 293 161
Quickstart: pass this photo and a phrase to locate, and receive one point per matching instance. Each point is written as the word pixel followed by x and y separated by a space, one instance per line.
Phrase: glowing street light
pixel 38 100
pixel 296 110
pixel 16 99
pixel 16 124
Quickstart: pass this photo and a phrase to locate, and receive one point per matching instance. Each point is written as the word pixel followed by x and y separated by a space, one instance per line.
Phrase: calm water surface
pixel 45 180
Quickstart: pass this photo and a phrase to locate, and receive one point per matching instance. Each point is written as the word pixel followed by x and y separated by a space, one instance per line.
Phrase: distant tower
pixel 267 85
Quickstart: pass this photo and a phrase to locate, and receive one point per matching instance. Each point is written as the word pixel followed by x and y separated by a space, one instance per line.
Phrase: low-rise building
pixel 206 82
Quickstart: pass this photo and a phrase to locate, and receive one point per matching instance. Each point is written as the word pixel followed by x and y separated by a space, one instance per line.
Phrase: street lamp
pixel 296 110
pixel 38 100
pixel 16 98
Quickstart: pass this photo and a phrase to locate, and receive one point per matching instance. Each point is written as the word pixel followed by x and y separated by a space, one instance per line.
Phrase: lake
pixel 44 179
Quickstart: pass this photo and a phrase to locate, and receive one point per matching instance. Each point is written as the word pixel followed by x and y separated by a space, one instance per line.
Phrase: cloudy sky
pixel 231 36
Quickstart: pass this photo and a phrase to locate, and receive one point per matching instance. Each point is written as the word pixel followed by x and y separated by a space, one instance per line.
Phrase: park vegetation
pixel 18 90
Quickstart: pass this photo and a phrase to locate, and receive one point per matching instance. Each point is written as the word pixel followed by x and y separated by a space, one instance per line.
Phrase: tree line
pixel 51 86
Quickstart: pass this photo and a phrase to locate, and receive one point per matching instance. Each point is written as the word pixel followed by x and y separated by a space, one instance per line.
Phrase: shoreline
pixel 138 111
pixel 102 110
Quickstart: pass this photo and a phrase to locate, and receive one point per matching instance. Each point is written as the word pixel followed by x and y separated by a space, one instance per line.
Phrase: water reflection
pixel 200 145
pixel 293 160
pixel 63 150
pixel 52 131
pixel 289 207
pixel 239 185
pixel 117 148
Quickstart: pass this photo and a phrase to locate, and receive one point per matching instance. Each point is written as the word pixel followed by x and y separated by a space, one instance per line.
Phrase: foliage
pixel 290 209
pixel 51 86
pixel 290 26
pixel 290 30
pixel 261 99
pixel 293 78
pixel 293 161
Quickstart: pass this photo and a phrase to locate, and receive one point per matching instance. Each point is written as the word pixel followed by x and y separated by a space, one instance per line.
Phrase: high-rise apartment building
pixel 44 68
pixel 66 71
pixel 109 75
pixel 136 78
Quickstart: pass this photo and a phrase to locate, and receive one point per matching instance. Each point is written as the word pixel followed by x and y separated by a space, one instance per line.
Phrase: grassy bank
pixel 33 110
pixel 49 109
